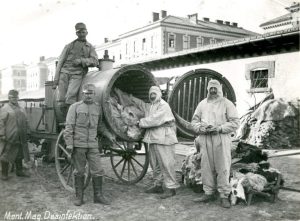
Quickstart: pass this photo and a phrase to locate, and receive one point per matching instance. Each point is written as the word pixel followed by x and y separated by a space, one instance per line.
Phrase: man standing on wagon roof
pixel 72 67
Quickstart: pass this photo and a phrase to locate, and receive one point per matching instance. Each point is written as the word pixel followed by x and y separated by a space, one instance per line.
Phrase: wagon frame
pixel 129 158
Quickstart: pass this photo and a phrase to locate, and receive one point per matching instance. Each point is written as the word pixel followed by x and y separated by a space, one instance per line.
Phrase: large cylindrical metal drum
pixel 188 91
pixel 134 80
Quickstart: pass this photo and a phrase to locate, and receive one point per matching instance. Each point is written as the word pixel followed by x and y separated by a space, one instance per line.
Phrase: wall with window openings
pixel 253 78
pixel 177 40
pixel 140 46
pixel 36 77
pixel 14 78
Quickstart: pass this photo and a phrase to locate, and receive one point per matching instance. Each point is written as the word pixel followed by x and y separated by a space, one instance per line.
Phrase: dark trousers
pixel 81 156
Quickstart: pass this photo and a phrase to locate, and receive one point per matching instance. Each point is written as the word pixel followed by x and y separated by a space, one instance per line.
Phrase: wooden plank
pixel 197 89
pixel 283 153
pixel 44 135
pixel 194 94
pixel 189 100
pixel 178 102
pixel 184 98
pixel 207 79
pixel 181 99
pixel 202 93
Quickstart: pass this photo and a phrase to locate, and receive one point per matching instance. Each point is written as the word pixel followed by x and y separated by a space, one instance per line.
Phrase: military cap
pixel 88 88
pixel 80 26
pixel 13 93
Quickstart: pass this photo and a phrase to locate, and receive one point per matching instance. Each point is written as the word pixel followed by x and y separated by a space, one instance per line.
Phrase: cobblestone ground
pixel 42 197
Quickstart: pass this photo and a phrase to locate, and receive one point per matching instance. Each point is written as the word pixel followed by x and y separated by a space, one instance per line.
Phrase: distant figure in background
pixel 14 130
pixel 214 119
pixel 72 67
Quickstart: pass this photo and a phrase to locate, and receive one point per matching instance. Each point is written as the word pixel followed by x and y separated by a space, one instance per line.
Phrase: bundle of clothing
pixel 271 124
pixel 191 171
pixel 251 172
pixel 125 116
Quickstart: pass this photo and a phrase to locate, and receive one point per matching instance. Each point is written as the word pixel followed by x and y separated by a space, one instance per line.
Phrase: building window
pixel 171 41
pixel 134 46
pixel 212 41
pixel 259 74
pixel 23 83
pixel 259 78
pixel 120 56
pixel 144 44
pixel 200 41
pixel 17 83
pixel 152 41
pixel 186 42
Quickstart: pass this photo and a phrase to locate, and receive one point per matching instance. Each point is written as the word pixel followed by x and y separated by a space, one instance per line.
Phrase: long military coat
pixel 13 133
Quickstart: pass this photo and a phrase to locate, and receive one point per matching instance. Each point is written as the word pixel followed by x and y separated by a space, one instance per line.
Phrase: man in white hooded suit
pixel 160 134
pixel 214 119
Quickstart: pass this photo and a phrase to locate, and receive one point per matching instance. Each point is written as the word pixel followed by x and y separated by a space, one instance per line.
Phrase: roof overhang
pixel 271 43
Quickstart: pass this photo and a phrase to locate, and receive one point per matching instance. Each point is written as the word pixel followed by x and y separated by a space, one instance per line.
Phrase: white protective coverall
pixel 160 134
pixel 216 148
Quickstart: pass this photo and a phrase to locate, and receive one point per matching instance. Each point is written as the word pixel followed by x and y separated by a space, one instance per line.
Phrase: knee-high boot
pixel 79 183
pixel 4 167
pixel 19 169
pixel 98 195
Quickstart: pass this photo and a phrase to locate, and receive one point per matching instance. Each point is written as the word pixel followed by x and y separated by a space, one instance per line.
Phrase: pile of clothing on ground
pixel 125 115
pixel 191 170
pixel 251 171
pixel 271 124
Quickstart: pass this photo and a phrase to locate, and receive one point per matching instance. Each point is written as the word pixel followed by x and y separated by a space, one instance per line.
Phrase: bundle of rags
pixel 273 124
pixel 251 172
pixel 191 169
pixel 191 172
pixel 125 116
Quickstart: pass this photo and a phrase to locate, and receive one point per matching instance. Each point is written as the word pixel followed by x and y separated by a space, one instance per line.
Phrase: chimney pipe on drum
pixel 105 63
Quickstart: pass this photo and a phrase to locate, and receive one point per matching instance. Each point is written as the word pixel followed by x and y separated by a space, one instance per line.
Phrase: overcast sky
pixel 33 28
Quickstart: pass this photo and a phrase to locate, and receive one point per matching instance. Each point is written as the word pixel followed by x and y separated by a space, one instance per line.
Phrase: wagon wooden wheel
pixel 64 166
pixel 130 161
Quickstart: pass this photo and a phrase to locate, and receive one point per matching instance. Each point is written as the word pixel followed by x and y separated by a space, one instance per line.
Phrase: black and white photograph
pixel 150 110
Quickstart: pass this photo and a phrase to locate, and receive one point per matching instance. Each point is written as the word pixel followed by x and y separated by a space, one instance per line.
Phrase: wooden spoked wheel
pixel 64 166
pixel 130 161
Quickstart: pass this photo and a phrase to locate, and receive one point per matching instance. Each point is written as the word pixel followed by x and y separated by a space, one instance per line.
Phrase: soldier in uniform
pixel 72 66
pixel 14 131
pixel 83 125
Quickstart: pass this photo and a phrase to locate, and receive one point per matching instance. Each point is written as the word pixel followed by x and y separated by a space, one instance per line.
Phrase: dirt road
pixel 42 197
